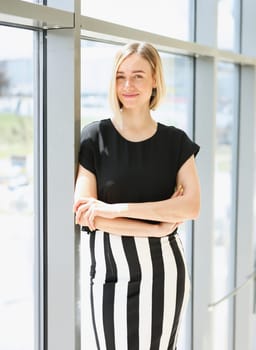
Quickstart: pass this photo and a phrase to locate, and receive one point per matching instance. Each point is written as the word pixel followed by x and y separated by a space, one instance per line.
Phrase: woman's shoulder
pixel 93 129
pixel 180 139
pixel 171 130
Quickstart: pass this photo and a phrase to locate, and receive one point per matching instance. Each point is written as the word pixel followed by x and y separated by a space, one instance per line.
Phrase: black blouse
pixel 129 171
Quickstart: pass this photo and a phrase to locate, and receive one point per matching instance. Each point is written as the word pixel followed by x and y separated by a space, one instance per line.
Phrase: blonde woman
pixel 136 182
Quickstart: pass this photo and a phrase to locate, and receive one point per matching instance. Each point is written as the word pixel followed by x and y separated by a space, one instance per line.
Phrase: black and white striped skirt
pixel 139 289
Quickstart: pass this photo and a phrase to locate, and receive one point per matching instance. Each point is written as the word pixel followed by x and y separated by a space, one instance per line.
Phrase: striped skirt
pixel 139 288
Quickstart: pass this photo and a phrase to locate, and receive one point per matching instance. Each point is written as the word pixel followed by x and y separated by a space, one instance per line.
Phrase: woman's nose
pixel 127 82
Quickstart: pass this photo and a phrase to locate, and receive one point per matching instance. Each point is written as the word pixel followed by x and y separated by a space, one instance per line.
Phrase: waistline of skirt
pixel 88 231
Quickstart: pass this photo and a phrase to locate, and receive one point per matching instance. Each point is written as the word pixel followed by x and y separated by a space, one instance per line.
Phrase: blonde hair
pixel 149 53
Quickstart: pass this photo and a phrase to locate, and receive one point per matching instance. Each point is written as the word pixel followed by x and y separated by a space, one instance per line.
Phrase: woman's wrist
pixel 119 209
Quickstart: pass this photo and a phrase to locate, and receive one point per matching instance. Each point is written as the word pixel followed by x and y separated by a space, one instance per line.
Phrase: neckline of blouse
pixel 134 142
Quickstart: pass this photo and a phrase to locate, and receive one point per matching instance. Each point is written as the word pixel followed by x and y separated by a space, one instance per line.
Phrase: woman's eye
pixel 119 77
pixel 138 76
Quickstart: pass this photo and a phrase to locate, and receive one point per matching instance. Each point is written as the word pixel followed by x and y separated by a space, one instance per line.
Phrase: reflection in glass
pixel 97 62
pixel 224 204
pixel 16 188
pixel 228 24
pixel 176 15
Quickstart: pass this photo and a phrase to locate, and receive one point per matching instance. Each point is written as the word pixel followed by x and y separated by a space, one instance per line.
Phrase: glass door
pixel 18 251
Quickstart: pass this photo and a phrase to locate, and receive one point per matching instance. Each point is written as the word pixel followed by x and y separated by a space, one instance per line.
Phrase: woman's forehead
pixel 134 63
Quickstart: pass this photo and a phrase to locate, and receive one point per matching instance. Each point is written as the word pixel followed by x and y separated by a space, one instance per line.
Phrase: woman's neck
pixel 134 119
pixel 135 126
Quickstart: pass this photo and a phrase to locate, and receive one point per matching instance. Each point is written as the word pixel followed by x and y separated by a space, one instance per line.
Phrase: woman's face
pixel 134 82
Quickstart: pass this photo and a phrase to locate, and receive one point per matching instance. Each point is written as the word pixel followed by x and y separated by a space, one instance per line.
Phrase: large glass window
pixel 225 203
pixel 17 239
pixel 176 15
pixel 97 61
pixel 228 24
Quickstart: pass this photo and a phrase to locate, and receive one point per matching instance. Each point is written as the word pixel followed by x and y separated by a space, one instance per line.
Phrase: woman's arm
pixel 175 209
pixel 129 227
pixel 86 187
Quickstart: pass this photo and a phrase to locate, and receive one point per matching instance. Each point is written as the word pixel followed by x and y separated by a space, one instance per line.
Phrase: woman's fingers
pixel 86 209
pixel 83 200
pixel 178 191
pixel 78 203
pixel 90 220
pixel 85 214
pixel 168 227
pixel 89 216
pixel 82 209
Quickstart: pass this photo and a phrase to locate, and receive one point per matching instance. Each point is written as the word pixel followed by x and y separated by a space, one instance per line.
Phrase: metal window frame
pixel 22 13
pixel 98 29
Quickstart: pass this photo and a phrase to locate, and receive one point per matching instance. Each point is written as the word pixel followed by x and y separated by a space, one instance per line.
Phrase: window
pixel 176 15
pixel 96 69
pixel 17 236
pixel 228 25
pixel 225 203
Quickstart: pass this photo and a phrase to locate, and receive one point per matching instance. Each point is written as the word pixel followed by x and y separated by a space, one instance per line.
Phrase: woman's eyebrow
pixel 134 71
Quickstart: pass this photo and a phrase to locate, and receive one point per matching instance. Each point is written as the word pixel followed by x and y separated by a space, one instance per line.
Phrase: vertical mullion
pixel 205 106
pixel 39 199
pixel 204 129
pixel 60 180
pixel 235 182
pixel 77 129
pixel 63 131
pixel 43 191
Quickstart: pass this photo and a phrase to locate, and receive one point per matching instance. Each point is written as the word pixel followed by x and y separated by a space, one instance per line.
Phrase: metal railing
pixel 235 291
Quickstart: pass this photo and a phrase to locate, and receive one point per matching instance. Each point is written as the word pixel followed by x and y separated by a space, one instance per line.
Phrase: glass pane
pixel 254 247
pixel 16 187
pixel 97 62
pixel 228 24
pixel 96 66
pixel 176 15
pixel 224 205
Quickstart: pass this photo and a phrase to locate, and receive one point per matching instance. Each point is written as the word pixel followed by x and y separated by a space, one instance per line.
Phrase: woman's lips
pixel 129 95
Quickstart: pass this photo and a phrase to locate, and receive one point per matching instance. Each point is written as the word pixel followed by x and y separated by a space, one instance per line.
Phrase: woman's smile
pixel 130 95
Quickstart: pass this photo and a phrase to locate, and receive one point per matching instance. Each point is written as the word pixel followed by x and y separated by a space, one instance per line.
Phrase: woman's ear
pixel 154 81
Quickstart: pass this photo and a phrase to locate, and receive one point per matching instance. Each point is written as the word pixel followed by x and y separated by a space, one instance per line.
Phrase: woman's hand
pixel 178 191
pixel 86 209
pixel 166 228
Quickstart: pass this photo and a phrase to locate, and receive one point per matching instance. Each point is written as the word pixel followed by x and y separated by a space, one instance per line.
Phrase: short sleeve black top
pixel 129 171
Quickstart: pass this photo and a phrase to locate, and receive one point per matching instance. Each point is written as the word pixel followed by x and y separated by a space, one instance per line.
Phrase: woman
pixel 136 182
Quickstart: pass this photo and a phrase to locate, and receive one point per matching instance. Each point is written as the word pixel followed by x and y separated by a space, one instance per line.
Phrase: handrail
pixel 233 292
